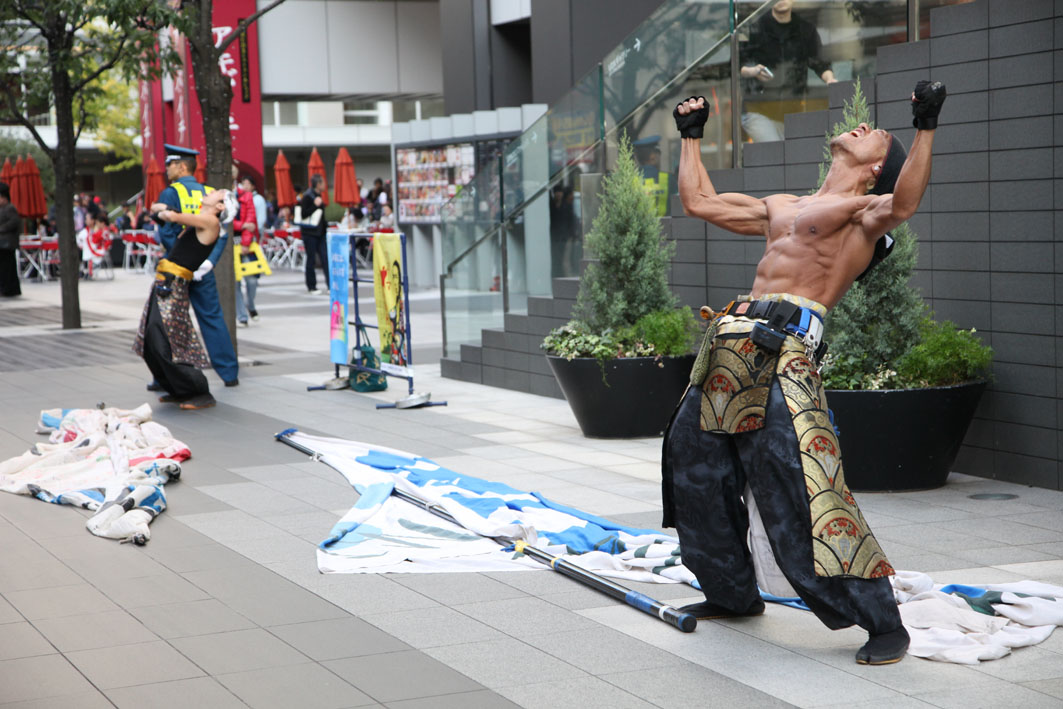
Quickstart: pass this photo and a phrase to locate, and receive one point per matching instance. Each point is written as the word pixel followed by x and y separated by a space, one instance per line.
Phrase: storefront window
pixel 417 109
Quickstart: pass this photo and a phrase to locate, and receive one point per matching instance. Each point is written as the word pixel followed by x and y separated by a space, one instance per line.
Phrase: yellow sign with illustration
pixel 250 264
pixel 387 291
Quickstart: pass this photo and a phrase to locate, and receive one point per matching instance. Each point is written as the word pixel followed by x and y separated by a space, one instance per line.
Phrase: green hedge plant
pixel 625 307
pixel 881 334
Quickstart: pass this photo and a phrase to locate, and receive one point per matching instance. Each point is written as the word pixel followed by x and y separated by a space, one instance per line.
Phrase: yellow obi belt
pixel 167 266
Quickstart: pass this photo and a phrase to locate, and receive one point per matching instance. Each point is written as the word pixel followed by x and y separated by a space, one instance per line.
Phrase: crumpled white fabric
pixel 96 458
pixel 944 627
pixel 128 510
pixel 1036 608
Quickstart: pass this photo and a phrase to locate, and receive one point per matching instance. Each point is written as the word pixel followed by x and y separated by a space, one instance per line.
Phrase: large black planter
pixel 902 439
pixel 641 394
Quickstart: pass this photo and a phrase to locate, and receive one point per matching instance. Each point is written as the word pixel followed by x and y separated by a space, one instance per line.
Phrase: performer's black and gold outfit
pixel 759 418
pixel 167 340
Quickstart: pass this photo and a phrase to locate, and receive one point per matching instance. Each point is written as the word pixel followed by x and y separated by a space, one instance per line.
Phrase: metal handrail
pixel 731 37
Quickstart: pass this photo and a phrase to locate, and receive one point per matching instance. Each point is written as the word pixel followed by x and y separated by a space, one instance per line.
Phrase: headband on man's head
pixel 891 168
pixel 230 207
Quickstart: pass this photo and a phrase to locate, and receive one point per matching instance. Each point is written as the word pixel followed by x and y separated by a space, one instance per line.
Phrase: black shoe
pixel 155 386
pixel 712 611
pixel 170 399
pixel 884 648
pixel 233 383
pixel 203 401
pixel 254 315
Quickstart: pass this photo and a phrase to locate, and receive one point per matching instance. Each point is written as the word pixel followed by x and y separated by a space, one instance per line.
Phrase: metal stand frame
pixel 411 400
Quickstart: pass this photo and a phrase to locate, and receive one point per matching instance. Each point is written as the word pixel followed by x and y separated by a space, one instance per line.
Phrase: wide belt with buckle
pixel 783 318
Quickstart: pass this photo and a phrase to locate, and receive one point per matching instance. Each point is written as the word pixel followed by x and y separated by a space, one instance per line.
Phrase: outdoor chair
pixel 31 258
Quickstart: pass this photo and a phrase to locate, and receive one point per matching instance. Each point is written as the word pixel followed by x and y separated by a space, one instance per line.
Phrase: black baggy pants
pixel 182 381
pixel 710 471
pixel 316 247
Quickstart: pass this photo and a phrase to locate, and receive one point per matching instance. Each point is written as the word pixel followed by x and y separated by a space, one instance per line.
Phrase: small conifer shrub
pixel 625 307
pixel 879 332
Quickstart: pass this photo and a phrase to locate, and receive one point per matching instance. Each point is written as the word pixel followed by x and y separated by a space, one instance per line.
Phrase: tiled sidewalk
pixel 225 607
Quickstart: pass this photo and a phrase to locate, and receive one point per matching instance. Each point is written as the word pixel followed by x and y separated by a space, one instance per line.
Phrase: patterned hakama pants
pixel 758 423
pixel 168 342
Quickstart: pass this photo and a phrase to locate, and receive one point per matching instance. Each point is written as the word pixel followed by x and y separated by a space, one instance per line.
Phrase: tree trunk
pixel 65 175
pixel 215 101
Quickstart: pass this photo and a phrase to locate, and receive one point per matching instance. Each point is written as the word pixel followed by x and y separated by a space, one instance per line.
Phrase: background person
pixel 10 231
pixel 247 228
pixel 782 47
pixel 314 227
pixel 387 219
pixel 89 240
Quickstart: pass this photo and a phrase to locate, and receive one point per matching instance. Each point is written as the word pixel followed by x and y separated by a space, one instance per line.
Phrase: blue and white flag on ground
pixel 383 533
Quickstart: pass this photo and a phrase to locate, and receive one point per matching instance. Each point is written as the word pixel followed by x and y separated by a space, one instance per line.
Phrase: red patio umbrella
pixel 201 171
pixel 317 167
pixel 282 176
pixel 18 186
pixel 36 204
pixel 6 173
pixel 155 183
pixel 346 188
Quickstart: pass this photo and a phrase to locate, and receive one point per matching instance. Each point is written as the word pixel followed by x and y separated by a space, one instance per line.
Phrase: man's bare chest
pixel 810 218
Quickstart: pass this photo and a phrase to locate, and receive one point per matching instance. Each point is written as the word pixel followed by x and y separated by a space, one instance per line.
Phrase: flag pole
pixel 667 613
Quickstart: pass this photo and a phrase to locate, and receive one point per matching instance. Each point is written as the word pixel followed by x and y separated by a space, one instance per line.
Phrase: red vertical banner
pixel 197 140
pixel 181 109
pixel 240 64
pixel 151 136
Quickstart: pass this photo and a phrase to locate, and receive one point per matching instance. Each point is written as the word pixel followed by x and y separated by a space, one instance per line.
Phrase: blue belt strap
pixel 801 329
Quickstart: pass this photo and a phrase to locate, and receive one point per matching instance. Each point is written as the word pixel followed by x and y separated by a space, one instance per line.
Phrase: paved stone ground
pixel 225 607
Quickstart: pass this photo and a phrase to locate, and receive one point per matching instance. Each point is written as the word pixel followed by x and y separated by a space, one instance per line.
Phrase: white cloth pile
pixel 111 461
pixel 945 626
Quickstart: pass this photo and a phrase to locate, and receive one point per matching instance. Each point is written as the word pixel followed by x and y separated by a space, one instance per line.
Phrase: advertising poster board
pixel 339 259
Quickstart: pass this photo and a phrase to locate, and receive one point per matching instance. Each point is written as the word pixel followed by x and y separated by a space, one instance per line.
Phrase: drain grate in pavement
pixel 993 496
pixel 40 315
pixel 80 348
pixel 71 348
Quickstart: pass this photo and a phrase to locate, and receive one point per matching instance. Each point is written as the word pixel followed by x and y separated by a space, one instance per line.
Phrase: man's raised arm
pixel 735 212
pixel 927 99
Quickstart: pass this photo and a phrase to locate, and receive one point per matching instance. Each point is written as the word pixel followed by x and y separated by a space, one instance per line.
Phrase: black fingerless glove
pixel 157 219
pixel 692 125
pixel 926 104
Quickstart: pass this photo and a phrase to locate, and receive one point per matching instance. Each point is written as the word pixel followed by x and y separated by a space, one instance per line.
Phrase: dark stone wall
pixel 990 226
pixel 459 56
pixel 536 61
pixel 570 37
pixel 511 83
